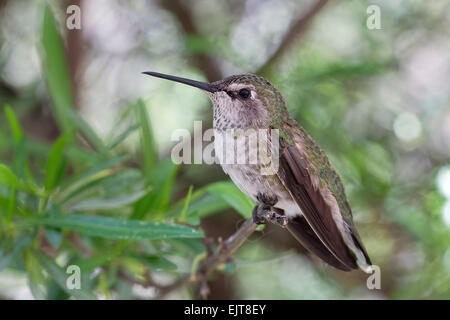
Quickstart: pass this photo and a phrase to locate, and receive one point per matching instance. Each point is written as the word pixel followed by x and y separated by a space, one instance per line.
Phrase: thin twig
pixel 228 247
pixel 213 261
pixel 297 29
pixel 183 13
pixel 179 283
pixel 75 239
pixel 148 281
pixel 208 246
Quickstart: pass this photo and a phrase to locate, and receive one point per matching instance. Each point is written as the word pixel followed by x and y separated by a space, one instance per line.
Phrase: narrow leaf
pixel 106 203
pixel 201 204
pixel 8 178
pixel 58 82
pixel 54 237
pixel 148 146
pixel 158 263
pixel 156 202
pixel 60 277
pixel 56 70
pixel 98 172
pixel 55 162
pixel 233 196
pixel 121 137
pixel 186 204
pixel 14 124
pixel 112 228
pixel 94 140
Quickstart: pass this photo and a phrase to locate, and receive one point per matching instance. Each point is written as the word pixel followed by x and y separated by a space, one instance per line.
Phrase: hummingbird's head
pixel 244 100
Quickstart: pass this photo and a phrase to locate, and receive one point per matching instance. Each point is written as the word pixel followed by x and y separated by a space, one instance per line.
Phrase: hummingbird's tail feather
pixel 301 230
pixel 364 262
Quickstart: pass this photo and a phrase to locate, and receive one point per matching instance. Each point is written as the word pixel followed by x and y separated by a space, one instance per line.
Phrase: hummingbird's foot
pixel 267 200
pixel 279 219
pixel 256 215
pixel 264 212
pixel 275 218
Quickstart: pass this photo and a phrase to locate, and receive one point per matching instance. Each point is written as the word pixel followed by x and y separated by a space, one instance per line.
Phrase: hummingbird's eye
pixel 244 93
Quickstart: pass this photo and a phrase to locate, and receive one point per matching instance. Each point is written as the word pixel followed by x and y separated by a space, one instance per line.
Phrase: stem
pixel 227 248
pixel 294 33
pixel 210 263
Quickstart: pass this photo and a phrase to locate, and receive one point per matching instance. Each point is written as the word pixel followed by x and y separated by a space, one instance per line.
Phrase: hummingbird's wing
pixel 306 173
pixel 301 230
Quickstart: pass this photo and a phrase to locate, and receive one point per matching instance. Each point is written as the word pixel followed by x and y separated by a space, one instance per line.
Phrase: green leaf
pixel 148 146
pixel 106 184
pixel 56 70
pixel 4 202
pixel 186 204
pixel 55 162
pixel 58 82
pixel 37 148
pixel 187 247
pixel 19 244
pixel 14 124
pixel 36 290
pixel 20 161
pixel 93 204
pixel 121 137
pixel 156 202
pixel 60 277
pixel 35 275
pixel 233 196
pixel 54 237
pixel 213 198
pixel 97 173
pixel 158 263
pixel 8 178
pixel 201 204
pixel 89 264
pixel 94 140
pixel 112 228
pixel 123 117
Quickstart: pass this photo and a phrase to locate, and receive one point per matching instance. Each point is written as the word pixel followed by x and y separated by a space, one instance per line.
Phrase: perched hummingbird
pixel 306 191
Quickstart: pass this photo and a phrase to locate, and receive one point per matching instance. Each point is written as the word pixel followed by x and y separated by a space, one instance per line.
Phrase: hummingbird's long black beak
pixel 198 84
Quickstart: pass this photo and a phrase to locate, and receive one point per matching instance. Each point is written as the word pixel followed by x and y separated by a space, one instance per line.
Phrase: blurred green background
pixel 85 144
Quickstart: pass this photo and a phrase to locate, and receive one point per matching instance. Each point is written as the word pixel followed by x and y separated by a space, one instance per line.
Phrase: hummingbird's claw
pixel 263 213
pixel 281 220
pixel 267 200
pixel 274 217
pixel 257 218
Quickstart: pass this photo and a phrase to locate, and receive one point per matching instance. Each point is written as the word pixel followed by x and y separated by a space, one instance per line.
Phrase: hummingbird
pixel 305 194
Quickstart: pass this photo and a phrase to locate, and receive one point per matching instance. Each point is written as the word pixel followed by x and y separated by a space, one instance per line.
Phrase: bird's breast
pixel 236 154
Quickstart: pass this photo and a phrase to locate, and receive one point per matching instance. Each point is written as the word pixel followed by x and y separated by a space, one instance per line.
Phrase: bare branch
pixel 227 248
pixel 179 283
pixel 213 261
pixel 148 281
pixel 297 29
pixel 76 240
pixel 184 16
